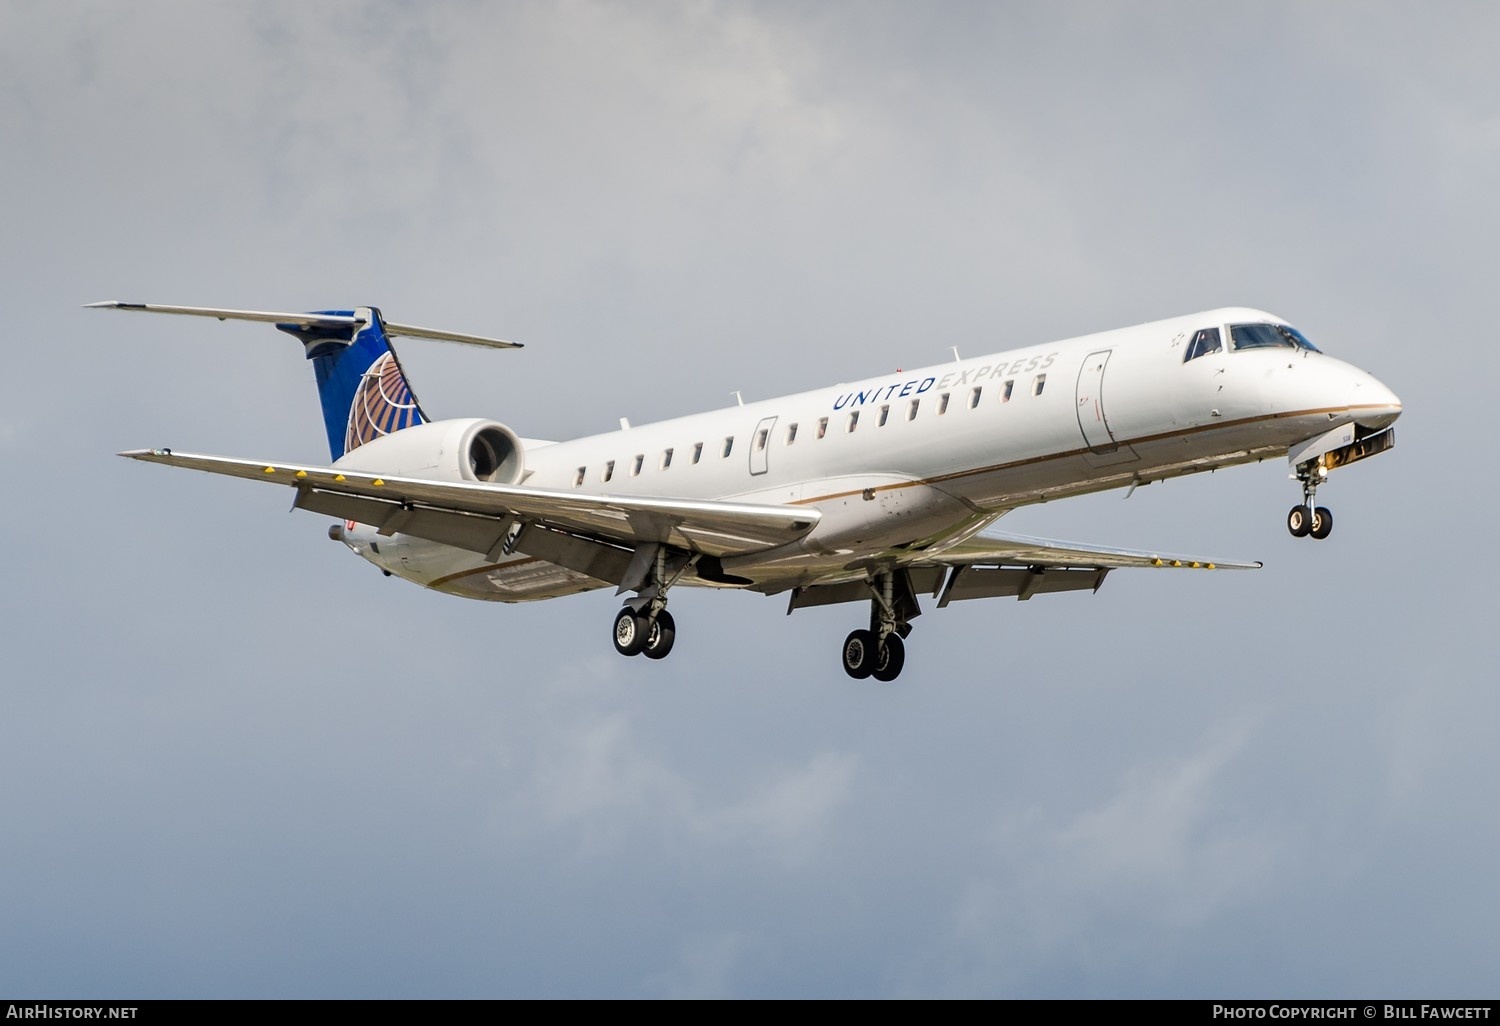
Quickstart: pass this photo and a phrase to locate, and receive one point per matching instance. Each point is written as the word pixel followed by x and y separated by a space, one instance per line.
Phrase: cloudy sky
pixel 239 762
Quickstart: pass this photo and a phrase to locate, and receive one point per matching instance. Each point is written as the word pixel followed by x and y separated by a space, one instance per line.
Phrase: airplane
pixel 879 490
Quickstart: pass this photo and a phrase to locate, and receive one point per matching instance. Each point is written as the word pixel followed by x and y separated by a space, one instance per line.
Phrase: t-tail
pixel 363 390
pixel 361 385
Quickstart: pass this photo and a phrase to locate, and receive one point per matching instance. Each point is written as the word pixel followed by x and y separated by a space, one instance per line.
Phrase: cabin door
pixel 760 446
pixel 1092 420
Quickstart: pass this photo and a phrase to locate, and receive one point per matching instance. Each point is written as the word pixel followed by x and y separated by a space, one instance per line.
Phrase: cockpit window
pixel 1264 336
pixel 1299 338
pixel 1206 341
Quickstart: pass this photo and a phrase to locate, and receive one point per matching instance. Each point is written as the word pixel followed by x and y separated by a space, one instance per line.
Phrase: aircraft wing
pixel 479 517
pixel 1024 550
pixel 1007 566
pixel 1020 566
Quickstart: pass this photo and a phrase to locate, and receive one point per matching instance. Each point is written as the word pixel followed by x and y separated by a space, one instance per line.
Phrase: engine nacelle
pixel 445 450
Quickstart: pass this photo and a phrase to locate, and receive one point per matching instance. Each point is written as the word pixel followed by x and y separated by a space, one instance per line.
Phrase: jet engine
pixel 467 449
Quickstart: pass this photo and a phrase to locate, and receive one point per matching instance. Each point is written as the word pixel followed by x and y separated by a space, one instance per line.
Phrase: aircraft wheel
pixel 661 636
pixel 630 632
pixel 1299 521
pixel 892 659
pixel 1322 522
pixel 860 654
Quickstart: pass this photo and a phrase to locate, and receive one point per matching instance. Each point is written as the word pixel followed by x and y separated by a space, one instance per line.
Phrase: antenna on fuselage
pixel 956 357
pixel 738 399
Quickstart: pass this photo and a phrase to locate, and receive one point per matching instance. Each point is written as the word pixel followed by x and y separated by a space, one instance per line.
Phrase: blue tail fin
pixel 361 385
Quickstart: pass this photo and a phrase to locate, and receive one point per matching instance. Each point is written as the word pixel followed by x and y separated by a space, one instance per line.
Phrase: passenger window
pixel 728 447
pixel 853 422
pixel 760 439
pixel 666 458
pixel 1038 383
pixel 697 452
pixel 1006 389
pixel 609 471
pixel 822 426
pixel 974 398
pixel 578 478
pixel 1205 342
pixel 943 403
pixel 635 469
pixel 911 411
pixel 885 413
pixel 791 433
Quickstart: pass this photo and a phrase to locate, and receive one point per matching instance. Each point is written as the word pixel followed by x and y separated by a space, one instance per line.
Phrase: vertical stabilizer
pixel 361 385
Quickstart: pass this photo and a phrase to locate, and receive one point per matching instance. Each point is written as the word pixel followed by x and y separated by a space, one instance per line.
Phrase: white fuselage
pixel 923 458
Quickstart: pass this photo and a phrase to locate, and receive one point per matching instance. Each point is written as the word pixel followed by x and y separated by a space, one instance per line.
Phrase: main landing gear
pixel 1309 519
pixel 880 652
pixel 643 626
pixel 641 635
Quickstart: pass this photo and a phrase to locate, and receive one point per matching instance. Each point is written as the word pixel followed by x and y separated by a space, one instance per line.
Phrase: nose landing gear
pixel 1308 519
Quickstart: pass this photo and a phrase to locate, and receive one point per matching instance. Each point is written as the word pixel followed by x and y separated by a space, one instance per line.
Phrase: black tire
pixel 630 632
pixel 1322 522
pixel 860 654
pixel 1299 521
pixel 892 659
pixel 661 636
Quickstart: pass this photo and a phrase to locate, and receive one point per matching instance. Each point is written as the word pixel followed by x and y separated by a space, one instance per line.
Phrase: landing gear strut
pixel 1308 518
pixel 880 652
pixel 643 626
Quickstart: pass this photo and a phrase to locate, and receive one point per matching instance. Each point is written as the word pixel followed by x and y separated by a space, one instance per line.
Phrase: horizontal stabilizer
pixel 308 321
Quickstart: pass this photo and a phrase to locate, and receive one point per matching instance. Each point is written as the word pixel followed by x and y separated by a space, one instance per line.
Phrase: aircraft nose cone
pixel 1375 405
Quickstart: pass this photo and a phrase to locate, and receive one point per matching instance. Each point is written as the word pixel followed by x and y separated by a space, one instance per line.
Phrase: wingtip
pixel 104 304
